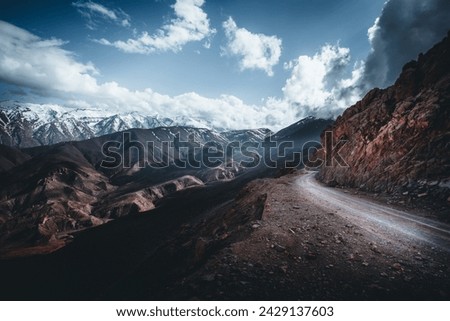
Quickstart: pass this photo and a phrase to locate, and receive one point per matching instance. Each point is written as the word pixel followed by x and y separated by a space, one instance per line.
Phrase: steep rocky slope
pixel 11 157
pixel 49 192
pixel 398 139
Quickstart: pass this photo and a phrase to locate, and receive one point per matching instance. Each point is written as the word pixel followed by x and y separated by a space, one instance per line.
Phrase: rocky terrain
pixel 398 139
pixel 300 250
pixel 49 192
pixel 268 239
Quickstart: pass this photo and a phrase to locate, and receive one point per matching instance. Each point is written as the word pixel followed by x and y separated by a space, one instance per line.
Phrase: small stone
pixel 278 248
pixel 311 256
pixel 365 264
pixel 397 267
pixel 255 226
pixel 376 287
pixel 422 195
pixel 296 207
pixel 200 248
pixel 383 274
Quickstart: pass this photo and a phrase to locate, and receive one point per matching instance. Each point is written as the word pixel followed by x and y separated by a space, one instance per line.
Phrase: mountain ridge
pixel 398 138
pixel 28 125
pixel 50 191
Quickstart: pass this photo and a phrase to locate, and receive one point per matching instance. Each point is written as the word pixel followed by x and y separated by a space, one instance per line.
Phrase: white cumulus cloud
pixel 42 64
pixel 319 85
pixel 255 51
pixel 191 24
pixel 29 61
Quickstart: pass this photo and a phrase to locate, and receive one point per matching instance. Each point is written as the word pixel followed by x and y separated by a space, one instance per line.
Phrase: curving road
pixel 381 221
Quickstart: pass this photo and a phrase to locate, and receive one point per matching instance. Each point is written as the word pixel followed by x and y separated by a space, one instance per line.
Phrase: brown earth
pixel 300 250
pixel 273 239
pixel 398 139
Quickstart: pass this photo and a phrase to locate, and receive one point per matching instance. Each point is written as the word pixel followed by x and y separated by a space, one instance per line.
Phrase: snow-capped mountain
pixel 28 125
pixel 247 135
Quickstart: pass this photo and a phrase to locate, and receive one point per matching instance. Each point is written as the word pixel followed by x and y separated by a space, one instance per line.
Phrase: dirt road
pixel 319 243
pixel 382 221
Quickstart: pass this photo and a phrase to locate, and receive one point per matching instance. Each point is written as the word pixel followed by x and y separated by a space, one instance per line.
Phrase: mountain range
pixel 27 125
pixel 53 190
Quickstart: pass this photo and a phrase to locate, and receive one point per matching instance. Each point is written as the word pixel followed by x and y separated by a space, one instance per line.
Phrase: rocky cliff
pixel 398 138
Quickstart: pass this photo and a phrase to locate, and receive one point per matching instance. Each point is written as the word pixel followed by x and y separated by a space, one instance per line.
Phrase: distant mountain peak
pixel 28 124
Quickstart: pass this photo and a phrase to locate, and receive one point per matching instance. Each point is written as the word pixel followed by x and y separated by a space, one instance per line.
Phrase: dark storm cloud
pixel 404 29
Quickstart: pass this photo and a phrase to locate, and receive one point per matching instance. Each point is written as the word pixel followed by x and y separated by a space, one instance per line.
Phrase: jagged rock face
pixel 398 139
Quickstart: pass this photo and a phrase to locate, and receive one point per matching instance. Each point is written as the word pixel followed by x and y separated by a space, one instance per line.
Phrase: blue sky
pixel 272 61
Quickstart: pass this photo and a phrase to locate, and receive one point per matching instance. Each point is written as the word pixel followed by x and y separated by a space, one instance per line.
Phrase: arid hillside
pixel 398 138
